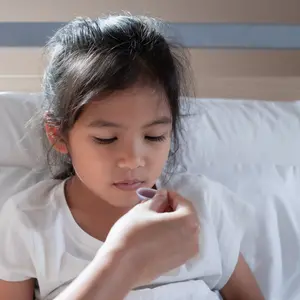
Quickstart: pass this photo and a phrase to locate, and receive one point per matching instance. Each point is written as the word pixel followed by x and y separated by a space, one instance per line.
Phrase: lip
pixel 129 185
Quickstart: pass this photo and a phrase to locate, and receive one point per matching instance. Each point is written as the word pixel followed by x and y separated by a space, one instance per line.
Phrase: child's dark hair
pixel 90 58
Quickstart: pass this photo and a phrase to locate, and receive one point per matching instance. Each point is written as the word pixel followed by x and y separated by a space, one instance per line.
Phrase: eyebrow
pixel 102 123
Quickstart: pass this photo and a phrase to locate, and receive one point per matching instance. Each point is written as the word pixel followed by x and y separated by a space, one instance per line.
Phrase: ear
pixel 54 136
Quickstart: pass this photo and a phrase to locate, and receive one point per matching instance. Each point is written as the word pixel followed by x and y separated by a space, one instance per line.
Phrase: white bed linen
pixel 253 147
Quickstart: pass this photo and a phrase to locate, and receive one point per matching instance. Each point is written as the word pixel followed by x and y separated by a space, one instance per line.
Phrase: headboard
pixel 238 48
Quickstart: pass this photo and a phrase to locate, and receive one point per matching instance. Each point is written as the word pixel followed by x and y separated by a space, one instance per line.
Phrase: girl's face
pixel 121 143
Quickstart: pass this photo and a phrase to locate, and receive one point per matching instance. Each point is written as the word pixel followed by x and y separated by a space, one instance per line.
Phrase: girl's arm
pixel 22 290
pixel 242 284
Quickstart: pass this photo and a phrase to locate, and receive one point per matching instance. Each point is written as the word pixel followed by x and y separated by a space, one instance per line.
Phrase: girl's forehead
pixel 135 102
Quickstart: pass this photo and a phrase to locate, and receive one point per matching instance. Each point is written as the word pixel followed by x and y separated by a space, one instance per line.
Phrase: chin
pixel 124 205
pixel 125 200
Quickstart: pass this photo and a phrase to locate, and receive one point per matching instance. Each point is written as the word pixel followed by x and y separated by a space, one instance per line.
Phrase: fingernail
pixel 159 201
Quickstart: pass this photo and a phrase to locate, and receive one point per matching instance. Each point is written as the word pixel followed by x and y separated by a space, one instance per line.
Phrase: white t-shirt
pixel 40 239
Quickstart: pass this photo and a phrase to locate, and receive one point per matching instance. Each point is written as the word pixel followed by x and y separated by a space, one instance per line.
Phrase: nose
pixel 132 157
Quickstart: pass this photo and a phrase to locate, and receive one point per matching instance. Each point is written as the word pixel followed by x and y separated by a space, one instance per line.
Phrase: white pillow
pixel 252 132
pixel 21 144
pixel 22 154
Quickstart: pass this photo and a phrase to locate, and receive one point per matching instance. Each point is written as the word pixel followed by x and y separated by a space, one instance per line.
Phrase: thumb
pixel 159 202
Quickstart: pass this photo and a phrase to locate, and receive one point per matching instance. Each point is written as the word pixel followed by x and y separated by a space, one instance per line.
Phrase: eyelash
pixel 110 141
pixel 160 138
pixel 104 141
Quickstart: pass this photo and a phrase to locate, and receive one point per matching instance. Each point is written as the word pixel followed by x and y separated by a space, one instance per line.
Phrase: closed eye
pixel 104 141
pixel 160 138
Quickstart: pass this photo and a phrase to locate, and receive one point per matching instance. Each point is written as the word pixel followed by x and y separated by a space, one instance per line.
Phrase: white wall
pixel 272 74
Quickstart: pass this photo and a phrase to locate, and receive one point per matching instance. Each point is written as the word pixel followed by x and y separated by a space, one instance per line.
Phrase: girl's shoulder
pixel 196 186
pixel 208 196
pixel 35 204
pixel 26 223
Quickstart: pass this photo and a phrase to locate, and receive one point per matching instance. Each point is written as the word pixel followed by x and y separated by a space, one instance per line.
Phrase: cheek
pixel 88 157
pixel 160 154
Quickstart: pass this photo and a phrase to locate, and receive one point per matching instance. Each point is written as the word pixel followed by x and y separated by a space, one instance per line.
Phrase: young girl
pixel 112 92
